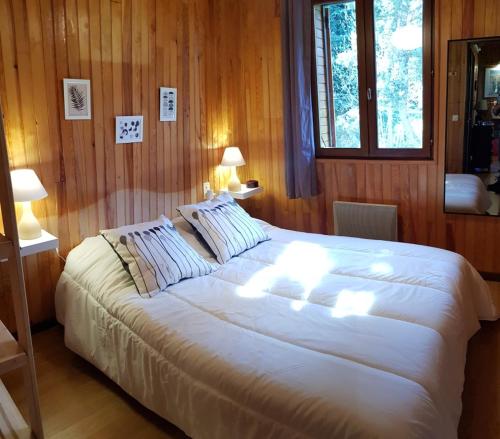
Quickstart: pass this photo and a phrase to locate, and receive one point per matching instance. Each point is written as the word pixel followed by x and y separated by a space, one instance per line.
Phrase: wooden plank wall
pixel 416 187
pixel 457 98
pixel 128 49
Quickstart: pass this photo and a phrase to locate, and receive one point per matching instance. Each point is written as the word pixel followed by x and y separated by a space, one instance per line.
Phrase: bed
pixel 304 335
pixel 466 193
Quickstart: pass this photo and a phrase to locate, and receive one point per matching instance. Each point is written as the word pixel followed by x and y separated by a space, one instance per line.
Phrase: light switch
pixel 455 118
pixel 206 187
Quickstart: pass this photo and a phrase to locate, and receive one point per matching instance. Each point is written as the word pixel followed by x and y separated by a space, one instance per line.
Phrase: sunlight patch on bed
pixel 300 263
pixel 353 303
pixel 258 284
pixel 297 305
pixel 381 268
pixel 384 253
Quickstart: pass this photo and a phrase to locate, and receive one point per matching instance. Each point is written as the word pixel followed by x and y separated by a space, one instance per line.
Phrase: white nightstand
pixel 38 245
pixel 245 192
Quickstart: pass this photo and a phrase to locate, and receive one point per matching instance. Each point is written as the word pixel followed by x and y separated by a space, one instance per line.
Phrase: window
pixel 373 78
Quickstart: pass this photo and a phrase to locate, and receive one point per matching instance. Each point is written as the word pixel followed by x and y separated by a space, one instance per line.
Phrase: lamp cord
pixel 59 255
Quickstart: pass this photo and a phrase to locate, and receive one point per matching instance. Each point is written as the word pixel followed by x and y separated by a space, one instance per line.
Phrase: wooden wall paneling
pixel 210 93
pixel 457 91
pixel 170 66
pixel 149 92
pixel 40 150
pixel 134 159
pixel 105 100
pixel 181 142
pixel 118 107
pixel 195 125
pixel 96 62
pixel 479 17
pixel 128 49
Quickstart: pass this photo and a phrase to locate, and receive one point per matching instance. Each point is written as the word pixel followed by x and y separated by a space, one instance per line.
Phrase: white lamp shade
pixel 26 185
pixel 232 157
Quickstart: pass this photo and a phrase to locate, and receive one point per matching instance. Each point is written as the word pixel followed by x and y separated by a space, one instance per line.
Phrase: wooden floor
pixel 80 402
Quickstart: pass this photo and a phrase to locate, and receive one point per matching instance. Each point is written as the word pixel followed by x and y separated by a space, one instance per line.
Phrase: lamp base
pixel 234 184
pixel 28 227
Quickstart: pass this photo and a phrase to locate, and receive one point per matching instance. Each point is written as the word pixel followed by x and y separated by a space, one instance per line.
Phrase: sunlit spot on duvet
pixel 300 263
pixel 384 253
pixel 381 268
pixel 297 305
pixel 350 303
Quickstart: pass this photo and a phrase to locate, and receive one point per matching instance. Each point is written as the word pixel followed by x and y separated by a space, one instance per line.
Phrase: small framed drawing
pixel 77 100
pixel 168 104
pixel 129 129
pixel 491 82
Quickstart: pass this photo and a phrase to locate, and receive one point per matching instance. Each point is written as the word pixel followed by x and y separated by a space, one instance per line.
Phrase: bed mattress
pixel 302 336
pixel 466 193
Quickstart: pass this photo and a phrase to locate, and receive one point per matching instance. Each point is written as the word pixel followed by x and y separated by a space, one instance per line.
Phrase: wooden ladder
pixel 15 354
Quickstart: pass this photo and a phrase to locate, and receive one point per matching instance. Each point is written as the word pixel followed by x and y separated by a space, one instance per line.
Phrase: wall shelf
pixel 38 245
pixel 245 192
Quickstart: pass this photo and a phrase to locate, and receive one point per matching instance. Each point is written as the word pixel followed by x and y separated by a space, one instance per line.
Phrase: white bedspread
pixel 466 193
pixel 303 336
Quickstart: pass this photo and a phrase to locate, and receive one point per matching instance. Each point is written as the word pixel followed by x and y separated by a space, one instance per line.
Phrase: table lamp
pixel 26 188
pixel 232 157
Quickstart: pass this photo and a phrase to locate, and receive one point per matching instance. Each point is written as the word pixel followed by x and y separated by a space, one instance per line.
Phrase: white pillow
pixel 224 225
pixel 193 238
pixel 155 255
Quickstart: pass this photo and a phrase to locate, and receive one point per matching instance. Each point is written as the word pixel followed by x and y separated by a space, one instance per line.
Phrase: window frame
pixel 367 80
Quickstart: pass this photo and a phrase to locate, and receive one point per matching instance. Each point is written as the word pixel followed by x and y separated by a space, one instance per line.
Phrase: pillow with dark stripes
pixel 156 255
pixel 224 225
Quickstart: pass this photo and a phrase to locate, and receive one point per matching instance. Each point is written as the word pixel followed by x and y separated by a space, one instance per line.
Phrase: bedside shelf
pixel 245 192
pixel 38 245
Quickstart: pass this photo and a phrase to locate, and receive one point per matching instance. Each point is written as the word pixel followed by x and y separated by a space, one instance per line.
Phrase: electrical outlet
pixel 206 187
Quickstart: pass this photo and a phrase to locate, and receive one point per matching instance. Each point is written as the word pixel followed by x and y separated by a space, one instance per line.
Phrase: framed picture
pixel 168 104
pixel 491 82
pixel 129 129
pixel 77 100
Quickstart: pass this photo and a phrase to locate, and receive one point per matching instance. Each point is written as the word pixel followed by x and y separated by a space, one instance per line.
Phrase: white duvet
pixel 466 193
pixel 302 336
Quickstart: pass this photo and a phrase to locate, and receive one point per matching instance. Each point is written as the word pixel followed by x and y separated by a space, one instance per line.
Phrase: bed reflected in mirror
pixel 472 177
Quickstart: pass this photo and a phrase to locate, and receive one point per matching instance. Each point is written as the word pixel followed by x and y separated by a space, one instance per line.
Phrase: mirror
pixel 472 169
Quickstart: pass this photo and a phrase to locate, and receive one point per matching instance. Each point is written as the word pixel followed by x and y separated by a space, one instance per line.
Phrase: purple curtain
pixel 296 34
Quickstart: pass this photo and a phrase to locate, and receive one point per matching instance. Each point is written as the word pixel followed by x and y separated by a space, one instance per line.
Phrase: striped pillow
pixel 224 225
pixel 156 255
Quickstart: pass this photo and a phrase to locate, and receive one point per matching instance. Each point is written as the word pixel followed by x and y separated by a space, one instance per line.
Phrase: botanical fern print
pixel 77 98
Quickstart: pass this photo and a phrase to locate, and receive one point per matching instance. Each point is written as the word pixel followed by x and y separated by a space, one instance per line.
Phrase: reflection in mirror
pixel 472 177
